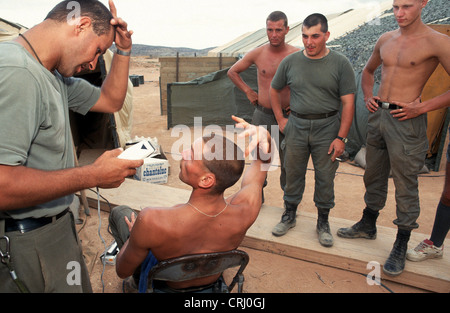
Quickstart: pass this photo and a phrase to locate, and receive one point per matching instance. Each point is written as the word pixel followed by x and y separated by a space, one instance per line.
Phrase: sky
pixel 196 24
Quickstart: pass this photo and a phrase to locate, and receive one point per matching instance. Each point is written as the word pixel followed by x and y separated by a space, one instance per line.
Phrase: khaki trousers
pixel 399 148
pixel 48 259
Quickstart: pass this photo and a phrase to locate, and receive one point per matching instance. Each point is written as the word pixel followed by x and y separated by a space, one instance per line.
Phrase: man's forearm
pixel 275 100
pixel 22 187
pixel 348 109
pixel 436 103
pixel 238 82
pixel 115 86
pixel 367 83
pixel 251 95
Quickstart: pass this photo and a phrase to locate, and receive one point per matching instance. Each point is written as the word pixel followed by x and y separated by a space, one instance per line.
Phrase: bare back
pixel 409 61
pixel 182 230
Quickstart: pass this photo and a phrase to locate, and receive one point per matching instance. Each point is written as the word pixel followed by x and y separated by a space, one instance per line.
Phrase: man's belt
pixel 387 105
pixel 264 109
pixel 269 111
pixel 29 224
pixel 313 116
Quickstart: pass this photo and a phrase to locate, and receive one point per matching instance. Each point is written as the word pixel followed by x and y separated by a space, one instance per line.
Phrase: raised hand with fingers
pixel 260 139
pixel 122 39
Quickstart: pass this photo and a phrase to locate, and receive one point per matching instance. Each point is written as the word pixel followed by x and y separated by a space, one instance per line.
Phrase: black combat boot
pixel 323 228
pixel 365 228
pixel 395 263
pixel 287 219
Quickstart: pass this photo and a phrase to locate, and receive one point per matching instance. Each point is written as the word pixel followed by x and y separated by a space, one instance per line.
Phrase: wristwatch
pixel 124 53
pixel 344 140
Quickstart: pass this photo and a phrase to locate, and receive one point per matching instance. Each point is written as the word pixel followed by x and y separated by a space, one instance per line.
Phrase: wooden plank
pixel 190 70
pixel 202 67
pixel 193 68
pixel 300 242
pixel 349 254
pixel 198 60
pixel 137 195
pixel 207 64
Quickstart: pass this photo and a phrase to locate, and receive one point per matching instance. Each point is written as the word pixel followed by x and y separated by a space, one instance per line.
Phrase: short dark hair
pixel 229 164
pixel 94 9
pixel 315 19
pixel 277 16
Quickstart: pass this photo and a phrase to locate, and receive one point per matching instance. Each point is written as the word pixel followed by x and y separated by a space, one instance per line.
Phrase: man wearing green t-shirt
pixel 37 173
pixel 321 82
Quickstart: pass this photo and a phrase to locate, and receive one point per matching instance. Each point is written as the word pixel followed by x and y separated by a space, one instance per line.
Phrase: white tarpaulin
pixel 9 30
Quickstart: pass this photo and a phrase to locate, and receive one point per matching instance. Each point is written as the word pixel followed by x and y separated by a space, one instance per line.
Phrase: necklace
pixel 208 215
pixel 29 44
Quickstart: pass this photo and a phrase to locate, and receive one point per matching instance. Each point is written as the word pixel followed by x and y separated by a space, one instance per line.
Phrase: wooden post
pixel 178 67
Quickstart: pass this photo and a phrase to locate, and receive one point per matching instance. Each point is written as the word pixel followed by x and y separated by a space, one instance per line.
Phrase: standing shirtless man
pixel 408 55
pixel 267 58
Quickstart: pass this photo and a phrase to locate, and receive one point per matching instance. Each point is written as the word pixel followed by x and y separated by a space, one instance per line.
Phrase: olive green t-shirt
pixel 34 118
pixel 316 84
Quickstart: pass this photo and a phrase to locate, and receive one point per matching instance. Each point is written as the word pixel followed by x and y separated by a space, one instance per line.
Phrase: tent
pixel 213 97
pixel 9 30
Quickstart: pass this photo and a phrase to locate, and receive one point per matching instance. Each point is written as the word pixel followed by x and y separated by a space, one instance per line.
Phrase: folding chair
pixel 200 265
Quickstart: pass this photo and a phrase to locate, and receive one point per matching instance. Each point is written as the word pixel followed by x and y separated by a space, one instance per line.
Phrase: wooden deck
pixel 349 254
pixel 300 242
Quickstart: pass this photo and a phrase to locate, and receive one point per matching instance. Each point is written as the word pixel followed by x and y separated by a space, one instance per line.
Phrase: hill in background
pixel 159 51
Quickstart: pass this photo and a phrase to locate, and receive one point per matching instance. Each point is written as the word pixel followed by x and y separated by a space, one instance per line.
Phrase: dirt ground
pixel 266 272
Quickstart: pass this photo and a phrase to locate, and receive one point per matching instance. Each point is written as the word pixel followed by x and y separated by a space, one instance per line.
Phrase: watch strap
pixel 124 53
pixel 344 140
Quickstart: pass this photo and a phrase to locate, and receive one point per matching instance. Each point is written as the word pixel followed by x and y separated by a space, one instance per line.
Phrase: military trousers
pixel 396 148
pixel 305 138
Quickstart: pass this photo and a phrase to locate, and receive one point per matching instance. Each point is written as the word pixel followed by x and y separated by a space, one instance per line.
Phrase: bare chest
pixel 410 55
pixel 267 64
